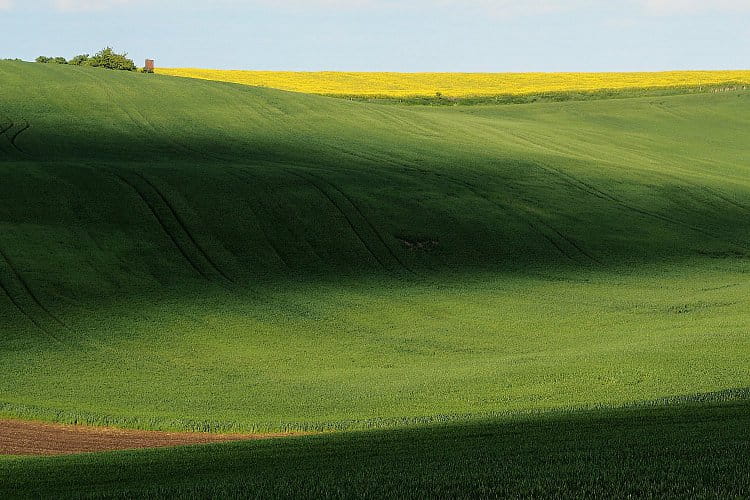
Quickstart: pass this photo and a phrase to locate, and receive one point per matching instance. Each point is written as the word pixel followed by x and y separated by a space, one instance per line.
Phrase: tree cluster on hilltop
pixel 105 58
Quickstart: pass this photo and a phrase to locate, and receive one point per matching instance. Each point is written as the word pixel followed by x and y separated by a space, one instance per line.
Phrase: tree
pixel 51 60
pixel 108 58
pixel 79 60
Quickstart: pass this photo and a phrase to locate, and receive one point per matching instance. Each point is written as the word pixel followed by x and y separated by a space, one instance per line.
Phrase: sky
pixel 389 35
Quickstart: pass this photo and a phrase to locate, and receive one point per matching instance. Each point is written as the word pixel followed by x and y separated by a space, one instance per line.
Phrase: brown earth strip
pixel 37 438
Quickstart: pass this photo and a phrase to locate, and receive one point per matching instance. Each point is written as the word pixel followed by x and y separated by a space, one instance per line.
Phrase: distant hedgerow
pixel 105 58
pixel 51 60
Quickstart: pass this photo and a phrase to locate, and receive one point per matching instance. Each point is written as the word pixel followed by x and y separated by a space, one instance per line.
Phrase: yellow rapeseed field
pixel 457 84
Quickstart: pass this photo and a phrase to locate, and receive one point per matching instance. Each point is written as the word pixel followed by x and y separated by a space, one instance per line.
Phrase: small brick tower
pixel 149 67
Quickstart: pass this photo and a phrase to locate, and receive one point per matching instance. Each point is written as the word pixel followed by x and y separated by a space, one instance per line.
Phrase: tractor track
pixel 27 290
pixel 244 169
pixel 266 236
pixel 525 219
pixel 338 207
pixel 726 199
pixel 201 254
pixel 146 124
pixel 29 316
pixel 162 225
pixel 185 229
pixel 3 130
pixel 589 189
pixel 367 221
pixel 14 137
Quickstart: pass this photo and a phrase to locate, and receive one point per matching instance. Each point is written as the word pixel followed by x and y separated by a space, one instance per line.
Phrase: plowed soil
pixel 37 438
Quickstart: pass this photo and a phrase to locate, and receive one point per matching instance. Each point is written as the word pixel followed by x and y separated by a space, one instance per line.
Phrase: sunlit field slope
pixel 183 254
pixel 685 451
pixel 460 85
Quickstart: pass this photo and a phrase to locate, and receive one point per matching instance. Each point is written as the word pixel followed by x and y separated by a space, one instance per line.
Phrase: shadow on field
pixel 687 450
pixel 126 182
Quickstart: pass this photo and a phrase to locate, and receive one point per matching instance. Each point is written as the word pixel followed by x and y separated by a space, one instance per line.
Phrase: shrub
pixel 51 60
pixel 107 58
pixel 79 60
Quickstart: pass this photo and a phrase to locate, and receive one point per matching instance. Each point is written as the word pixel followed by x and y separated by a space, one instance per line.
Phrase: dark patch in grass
pixel 415 244
pixel 696 306
pixel 725 254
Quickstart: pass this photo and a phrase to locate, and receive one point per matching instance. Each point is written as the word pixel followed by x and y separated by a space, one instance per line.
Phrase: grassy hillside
pixel 688 451
pixel 188 254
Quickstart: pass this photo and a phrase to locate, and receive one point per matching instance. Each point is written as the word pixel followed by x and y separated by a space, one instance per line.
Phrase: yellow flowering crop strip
pixel 459 85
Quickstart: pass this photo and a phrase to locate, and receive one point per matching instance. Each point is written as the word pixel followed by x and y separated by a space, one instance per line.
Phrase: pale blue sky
pixel 389 35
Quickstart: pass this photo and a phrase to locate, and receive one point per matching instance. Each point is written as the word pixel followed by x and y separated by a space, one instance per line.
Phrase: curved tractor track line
pixel 5 129
pixel 141 126
pixel 29 316
pixel 368 222
pixel 14 137
pixel 572 243
pixel 266 236
pixel 297 235
pixel 589 189
pixel 18 437
pixel 192 260
pixel 161 223
pixel 27 290
pixel 185 229
pixel 343 213
pixel 532 222
pixel 725 198
pixel 504 208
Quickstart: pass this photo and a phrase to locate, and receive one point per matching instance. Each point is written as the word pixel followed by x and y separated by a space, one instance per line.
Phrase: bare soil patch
pixel 38 438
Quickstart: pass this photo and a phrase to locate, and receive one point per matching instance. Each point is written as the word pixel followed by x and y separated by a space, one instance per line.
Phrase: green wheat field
pixel 534 300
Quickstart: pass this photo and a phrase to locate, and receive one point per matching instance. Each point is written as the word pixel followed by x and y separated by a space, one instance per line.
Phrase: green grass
pixel 183 254
pixel 354 355
pixel 544 97
pixel 686 451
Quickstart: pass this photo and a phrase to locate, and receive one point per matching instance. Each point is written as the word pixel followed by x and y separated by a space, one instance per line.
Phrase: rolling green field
pixel 687 451
pixel 179 254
